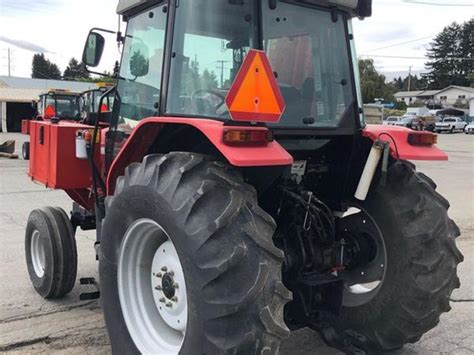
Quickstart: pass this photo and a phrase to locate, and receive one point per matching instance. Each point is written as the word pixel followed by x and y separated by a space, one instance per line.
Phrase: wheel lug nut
pixel 164 269
pixel 169 305
pixel 159 274
pixel 174 299
pixel 162 300
pixel 175 285
pixel 171 273
pixel 158 288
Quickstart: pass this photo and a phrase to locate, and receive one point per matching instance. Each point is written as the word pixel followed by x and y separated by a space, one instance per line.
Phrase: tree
pixel 451 56
pixel 138 64
pixel 209 80
pixel 116 70
pixel 373 84
pixel 76 70
pixel 42 68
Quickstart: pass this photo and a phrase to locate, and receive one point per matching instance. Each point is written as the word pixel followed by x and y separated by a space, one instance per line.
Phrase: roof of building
pixel 44 84
pixel 408 93
pixel 463 88
pixel 429 93
pixel 19 95
pixel 402 94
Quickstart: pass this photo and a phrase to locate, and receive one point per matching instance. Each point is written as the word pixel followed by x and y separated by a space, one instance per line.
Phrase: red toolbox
pixel 53 159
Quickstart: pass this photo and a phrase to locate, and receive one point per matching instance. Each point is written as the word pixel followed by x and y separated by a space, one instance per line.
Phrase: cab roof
pixel 359 8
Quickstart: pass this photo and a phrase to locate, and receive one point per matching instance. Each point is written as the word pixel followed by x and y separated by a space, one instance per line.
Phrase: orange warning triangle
pixel 255 95
pixel 49 112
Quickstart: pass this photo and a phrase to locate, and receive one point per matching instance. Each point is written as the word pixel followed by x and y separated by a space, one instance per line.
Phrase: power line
pixel 435 4
pixel 419 58
pixel 399 44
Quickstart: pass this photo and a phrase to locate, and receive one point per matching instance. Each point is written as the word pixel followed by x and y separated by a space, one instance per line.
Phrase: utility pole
pixel 9 66
pixel 221 68
pixel 409 78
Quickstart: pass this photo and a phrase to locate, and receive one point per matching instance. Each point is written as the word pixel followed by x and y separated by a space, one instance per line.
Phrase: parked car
pixel 469 128
pixel 406 121
pixel 450 124
pixel 391 120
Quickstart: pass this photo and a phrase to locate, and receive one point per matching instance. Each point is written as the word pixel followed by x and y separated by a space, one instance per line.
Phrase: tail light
pixel 422 138
pixel 247 136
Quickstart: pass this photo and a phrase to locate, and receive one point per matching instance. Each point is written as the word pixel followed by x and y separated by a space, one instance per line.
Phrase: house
pixel 450 96
pixel 454 95
pixel 16 95
pixel 408 96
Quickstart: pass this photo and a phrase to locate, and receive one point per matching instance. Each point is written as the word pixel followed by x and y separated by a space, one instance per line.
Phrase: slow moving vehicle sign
pixel 255 95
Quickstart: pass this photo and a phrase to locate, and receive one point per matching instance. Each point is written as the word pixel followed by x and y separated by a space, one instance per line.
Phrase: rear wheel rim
pixel 357 294
pixel 152 289
pixel 38 253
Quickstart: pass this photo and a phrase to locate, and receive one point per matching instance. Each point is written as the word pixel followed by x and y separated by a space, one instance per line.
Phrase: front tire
pixel 50 249
pixel 420 268
pixel 25 151
pixel 203 210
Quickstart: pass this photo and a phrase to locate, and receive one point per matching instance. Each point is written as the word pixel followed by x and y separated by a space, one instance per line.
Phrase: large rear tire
pixel 420 268
pixel 202 212
pixel 50 249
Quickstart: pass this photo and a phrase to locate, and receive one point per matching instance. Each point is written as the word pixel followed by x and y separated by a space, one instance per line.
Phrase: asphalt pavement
pixel 29 324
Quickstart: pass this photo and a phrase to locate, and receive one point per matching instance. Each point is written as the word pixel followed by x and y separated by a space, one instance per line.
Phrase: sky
pixel 58 29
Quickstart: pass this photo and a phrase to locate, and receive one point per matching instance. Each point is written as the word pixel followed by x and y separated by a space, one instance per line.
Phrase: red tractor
pixel 237 193
pixel 53 105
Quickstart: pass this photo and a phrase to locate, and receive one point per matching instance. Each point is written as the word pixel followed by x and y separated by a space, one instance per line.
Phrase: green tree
pixel 76 71
pixel 373 84
pixel 209 80
pixel 138 64
pixel 116 70
pixel 42 68
pixel 451 56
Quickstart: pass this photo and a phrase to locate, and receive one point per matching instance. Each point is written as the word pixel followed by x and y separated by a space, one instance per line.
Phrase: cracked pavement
pixel 29 324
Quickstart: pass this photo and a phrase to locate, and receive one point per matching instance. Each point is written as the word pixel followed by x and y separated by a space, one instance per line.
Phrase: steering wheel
pixel 215 93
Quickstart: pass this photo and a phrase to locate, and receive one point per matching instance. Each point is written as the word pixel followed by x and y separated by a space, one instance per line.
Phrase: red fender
pixel 144 134
pixel 399 146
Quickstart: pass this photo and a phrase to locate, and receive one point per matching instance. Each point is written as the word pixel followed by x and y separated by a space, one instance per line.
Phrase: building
pixel 450 96
pixel 454 95
pixel 17 95
pixel 408 96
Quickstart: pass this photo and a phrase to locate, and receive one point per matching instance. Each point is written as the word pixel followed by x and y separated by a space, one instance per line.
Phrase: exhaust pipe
pixel 369 170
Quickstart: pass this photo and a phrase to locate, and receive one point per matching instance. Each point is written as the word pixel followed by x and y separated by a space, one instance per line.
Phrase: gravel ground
pixel 29 324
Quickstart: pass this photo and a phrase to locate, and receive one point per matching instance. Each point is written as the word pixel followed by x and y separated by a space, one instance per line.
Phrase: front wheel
pixel 25 150
pixel 187 262
pixel 50 249
pixel 400 293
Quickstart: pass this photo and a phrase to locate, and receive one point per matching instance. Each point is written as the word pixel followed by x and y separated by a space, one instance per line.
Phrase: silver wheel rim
pixel 360 293
pixel 38 250
pixel 151 289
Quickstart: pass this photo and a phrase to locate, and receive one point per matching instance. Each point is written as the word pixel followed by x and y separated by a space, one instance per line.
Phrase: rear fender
pixel 145 133
pixel 399 146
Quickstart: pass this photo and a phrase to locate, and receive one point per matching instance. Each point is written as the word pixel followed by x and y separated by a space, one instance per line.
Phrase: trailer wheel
pixel 187 262
pixel 51 255
pixel 410 288
pixel 25 150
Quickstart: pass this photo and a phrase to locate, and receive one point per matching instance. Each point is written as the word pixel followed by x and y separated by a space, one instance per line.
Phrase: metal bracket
pixel 89 295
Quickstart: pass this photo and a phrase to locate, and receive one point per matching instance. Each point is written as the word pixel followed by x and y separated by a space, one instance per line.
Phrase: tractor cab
pixel 62 104
pixel 189 72
pixel 92 103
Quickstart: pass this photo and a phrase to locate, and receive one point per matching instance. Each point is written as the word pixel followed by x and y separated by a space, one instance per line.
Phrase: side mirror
pixel 93 49
pixel 139 62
